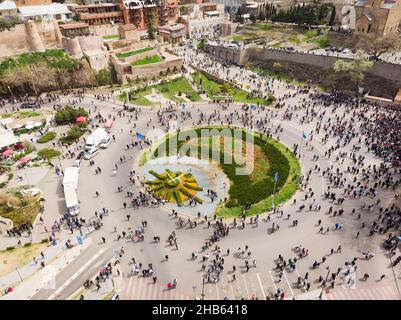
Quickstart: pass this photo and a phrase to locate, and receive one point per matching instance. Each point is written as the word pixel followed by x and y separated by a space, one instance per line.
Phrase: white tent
pixel 7 139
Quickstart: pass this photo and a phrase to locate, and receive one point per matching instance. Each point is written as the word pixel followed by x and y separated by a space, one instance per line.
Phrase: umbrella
pixel 81 119
pixel 7 152
pixel 29 126
pixel 24 159
pixel 109 124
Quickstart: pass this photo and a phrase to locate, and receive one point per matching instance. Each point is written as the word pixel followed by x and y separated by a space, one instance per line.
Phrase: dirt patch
pixel 18 257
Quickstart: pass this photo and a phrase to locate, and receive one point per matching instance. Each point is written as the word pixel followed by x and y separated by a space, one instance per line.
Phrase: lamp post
pixel 194 288
pixel 203 289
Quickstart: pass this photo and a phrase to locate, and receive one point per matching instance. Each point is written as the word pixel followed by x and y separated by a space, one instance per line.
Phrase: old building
pixel 129 32
pixel 56 11
pixel 141 13
pixel 8 9
pixel 101 13
pixel 174 33
pixel 381 17
pixel 72 30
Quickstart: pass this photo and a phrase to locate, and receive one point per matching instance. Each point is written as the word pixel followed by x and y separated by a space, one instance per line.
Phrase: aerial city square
pixel 193 150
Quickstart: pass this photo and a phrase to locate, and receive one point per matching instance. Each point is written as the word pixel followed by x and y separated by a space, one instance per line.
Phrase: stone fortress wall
pixel 254 54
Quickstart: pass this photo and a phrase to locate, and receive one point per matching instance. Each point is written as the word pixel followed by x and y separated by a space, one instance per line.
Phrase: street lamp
pixel 194 288
pixel 203 289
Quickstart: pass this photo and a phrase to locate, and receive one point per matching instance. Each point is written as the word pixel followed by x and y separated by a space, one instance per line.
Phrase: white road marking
pixel 274 284
pixel 289 285
pixel 76 274
pixel 261 285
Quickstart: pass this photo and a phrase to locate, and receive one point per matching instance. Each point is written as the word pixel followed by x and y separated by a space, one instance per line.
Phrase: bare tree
pixel 377 46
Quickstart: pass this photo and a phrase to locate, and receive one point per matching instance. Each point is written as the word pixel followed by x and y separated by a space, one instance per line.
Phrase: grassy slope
pixel 212 89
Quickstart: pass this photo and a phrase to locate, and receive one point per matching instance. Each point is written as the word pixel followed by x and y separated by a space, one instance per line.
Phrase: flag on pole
pixel 276 176
pixel 304 134
pixel 139 136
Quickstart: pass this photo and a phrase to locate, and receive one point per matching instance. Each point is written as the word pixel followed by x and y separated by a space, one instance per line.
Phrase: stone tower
pixel 34 40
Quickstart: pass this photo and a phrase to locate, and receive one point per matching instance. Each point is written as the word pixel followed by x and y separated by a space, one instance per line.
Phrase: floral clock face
pixel 175 186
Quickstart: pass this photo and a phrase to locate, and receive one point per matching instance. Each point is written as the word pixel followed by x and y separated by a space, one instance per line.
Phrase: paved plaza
pixel 330 143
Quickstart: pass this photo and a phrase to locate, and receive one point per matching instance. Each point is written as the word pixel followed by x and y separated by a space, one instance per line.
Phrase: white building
pixel 57 11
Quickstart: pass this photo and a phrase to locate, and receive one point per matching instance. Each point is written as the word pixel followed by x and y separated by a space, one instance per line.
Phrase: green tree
pixel 252 18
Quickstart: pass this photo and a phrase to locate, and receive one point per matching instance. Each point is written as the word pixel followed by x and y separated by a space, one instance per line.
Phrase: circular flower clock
pixel 175 186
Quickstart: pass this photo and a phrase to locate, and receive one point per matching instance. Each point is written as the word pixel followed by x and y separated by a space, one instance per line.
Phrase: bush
pixel 10 248
pixel 74 133
pixel 47 137
pixel 48 153
pixel 44 240
pixel 69 114
pixel 27 244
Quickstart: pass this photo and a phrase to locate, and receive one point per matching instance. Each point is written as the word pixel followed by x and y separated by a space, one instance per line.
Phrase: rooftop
pixel 8 5
pixel 54 8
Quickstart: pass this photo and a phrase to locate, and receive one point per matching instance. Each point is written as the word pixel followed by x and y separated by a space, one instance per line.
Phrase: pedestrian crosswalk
pixel 143 288
pixel 257 285
pixel 361 292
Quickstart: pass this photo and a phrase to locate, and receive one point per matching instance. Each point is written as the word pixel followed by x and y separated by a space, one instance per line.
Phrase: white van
pixel 105 143
pixel 91 153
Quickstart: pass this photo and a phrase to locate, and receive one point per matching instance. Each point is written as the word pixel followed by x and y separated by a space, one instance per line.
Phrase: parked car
pixel 105 143
pixel 91 153
pixel 27 105
pixel 78 160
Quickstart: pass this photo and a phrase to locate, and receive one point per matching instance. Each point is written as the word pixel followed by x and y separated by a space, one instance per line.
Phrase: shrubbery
pixel 69 114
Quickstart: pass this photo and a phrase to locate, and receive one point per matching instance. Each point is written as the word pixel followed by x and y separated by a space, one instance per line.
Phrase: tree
pixel 355 68
pixel 252 18
pixel 376 46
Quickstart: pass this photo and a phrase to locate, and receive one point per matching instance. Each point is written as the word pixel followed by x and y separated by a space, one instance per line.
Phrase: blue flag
pixel 303 134
pixel 276 176
pixel 140 136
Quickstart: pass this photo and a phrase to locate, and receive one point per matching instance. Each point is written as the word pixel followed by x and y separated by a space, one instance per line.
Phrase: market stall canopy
pixel 7 139
pixel 38 124
pixel 7 152
pixel 18 126
pixel 29 126
pixel 109 124
pixel 81 119
pixel 24 159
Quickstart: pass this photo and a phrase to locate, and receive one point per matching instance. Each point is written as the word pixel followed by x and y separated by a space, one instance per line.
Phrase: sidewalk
pixel 34 277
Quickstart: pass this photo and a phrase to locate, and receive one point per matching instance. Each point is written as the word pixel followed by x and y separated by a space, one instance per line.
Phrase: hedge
pixel 47 137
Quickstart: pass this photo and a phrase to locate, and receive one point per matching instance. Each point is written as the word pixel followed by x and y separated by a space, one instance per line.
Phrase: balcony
pixel 90 16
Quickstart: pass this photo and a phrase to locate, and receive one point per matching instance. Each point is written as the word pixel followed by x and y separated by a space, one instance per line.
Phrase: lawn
pixel 28 114
pixel 19 257
pixel 256 188
pixel 132 53
pixel 111 36
pixel 169 90
pixel 47 137
pixel 213 89
pixel 322 41
pixel 148 60
pixel 263 26
pixel 21 215
pixel 180 85
pixel 48 153
pixel 242 36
